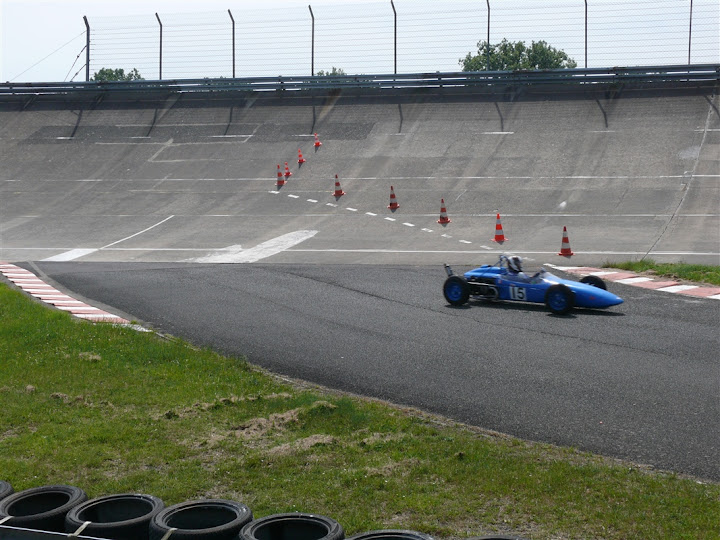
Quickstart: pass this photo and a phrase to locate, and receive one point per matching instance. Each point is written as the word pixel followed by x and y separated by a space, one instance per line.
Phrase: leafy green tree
pixel 336 72
pixel 514 55
pixel 112 75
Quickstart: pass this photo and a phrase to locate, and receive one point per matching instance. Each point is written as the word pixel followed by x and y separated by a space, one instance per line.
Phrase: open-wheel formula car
pixel 506 281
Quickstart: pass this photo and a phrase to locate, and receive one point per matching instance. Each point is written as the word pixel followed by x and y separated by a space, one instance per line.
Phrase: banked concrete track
pixel 175 178
pixel 120 201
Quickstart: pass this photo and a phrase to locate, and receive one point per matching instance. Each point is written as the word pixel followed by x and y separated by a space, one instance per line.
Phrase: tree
pixel 112 75
pixel 336 72
pixel 510 56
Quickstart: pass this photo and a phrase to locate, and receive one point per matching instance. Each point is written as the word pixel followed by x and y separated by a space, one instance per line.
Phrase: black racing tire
pixel 390 534
pixel 205 519
pixel 559 299
pixel 594 281
pixel 5 489
pixel 456 290
pixel 295 526
pixel 42 508
pixel 116 517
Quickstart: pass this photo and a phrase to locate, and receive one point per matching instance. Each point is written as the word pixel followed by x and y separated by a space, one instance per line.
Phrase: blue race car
pixel 506 281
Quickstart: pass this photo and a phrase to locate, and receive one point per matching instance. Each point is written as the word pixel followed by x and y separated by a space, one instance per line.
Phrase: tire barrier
pixel 390 534
pixel 5 489
pixel 207 519
pixel 115 517
pixel 42 508
pixel 295 526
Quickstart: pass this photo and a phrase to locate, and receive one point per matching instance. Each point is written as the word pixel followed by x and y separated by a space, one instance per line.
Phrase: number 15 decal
pixel 517 293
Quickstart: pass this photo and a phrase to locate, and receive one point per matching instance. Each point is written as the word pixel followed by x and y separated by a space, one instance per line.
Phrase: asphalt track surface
pixel 129 203
pixel 638 381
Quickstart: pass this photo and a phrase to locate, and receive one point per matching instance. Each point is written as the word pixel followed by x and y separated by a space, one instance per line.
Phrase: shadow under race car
pixel 499 283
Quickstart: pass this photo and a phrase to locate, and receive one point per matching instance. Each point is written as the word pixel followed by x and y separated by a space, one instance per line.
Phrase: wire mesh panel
pixel 415 37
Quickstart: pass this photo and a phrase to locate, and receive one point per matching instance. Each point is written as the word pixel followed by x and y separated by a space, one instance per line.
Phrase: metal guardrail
pixel 608 76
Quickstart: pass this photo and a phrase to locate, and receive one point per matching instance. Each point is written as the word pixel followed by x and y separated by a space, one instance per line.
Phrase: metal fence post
pixel 395 17
pixel 690 31
pixel 312 49
pixel 586 34
pixel 87 50
pixel 161 29
pixel 488 36
pixel 233 41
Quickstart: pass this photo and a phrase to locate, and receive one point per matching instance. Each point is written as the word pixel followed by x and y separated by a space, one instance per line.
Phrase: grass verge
pixel 699 273
pixel 112 410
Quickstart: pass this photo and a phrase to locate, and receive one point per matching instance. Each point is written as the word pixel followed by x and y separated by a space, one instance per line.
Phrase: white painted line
pixel 390 218
pixel 138 233
pixel 370 214
pixel 715 296
pixel 294 196
pixel 235 254
pixel 677 288
pixel 331 204
pixel 83 307
pixel 486 247
pixel 446 236
pixel 71 255
pixel 602 273
pixel 41 291
pixel 311 200
pixel 630 281
pixel 465 242
pixel 94 316
pixel 408 224
pixel 563 267
pixel 351 209
pixel 426 229
pixel 274 192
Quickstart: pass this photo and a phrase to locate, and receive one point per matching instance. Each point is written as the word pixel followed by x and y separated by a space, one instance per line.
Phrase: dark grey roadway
pixel 639 381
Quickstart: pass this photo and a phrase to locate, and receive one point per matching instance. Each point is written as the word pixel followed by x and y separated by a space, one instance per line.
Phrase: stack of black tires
pixel 131 516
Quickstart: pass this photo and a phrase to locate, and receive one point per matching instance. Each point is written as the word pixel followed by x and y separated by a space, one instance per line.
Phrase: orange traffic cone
pixel 301 159
pixel 280 179
pixel 393 202
pixel 565 250
pixel 499 235
pixel 318 144
pixel 444 219
pixel 287 171
pixel 338 190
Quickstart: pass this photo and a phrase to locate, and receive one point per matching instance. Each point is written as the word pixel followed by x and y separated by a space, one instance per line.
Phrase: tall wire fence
pixel 400 36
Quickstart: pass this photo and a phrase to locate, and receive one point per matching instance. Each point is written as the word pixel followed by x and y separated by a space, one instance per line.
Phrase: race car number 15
pixel 517 293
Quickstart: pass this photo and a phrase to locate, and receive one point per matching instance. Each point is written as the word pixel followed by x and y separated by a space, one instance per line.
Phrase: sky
pixel 43 40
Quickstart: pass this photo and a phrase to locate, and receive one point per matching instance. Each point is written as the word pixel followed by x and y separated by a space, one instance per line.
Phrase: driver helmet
pixel 515 264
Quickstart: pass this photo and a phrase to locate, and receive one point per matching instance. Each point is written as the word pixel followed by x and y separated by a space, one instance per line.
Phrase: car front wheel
pixel 559 299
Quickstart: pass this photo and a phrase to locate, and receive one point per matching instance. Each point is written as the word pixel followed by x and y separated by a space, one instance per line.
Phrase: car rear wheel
pixel 595 282
pixel 456 290
pixel 559 299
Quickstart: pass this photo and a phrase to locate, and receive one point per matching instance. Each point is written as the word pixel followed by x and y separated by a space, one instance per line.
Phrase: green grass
pixel 698 273
pixel 113 410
